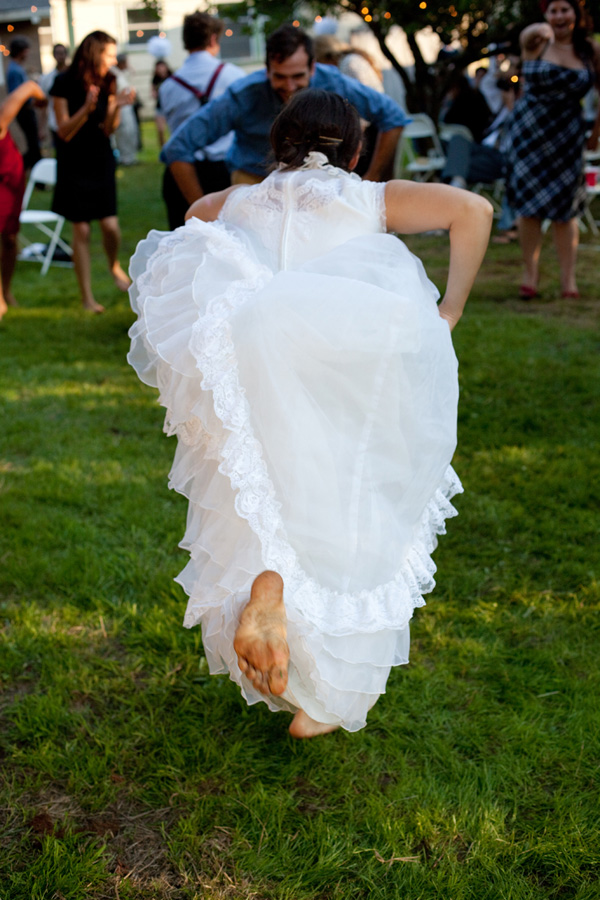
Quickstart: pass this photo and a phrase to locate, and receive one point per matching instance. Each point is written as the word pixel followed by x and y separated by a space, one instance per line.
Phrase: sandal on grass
pixel 527 293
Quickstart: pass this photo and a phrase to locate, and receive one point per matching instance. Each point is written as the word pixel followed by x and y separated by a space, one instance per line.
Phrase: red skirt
pixel 12 185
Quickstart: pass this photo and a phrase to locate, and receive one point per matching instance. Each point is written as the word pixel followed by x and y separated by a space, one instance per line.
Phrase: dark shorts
pixel 213 176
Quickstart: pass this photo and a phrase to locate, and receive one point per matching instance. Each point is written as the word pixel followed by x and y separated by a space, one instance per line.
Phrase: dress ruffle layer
pixel 205 300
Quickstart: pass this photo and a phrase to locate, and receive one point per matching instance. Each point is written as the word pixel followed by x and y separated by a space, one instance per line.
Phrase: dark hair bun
pixel 316 120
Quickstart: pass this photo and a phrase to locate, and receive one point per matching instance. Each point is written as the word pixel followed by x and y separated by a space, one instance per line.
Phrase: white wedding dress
pixel 312 386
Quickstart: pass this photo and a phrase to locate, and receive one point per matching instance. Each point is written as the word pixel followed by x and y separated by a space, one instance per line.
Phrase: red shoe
pixel 570 295
pixel 527 293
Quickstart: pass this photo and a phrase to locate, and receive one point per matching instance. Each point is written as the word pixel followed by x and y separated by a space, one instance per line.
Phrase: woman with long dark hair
pixel 545 160
pixel 310 378
pixel 87 107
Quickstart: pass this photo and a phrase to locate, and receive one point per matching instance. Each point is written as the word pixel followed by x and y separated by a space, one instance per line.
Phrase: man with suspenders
pixel 202 77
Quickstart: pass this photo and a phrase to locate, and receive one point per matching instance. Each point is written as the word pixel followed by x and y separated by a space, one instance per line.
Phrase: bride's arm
pixel 209 206
pixel 413 207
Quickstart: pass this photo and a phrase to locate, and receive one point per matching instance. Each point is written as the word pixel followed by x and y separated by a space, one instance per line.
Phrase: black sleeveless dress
pixel 85 179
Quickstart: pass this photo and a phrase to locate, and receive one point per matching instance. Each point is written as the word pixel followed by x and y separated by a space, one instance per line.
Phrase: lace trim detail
pixel 388 605
pixel 299 193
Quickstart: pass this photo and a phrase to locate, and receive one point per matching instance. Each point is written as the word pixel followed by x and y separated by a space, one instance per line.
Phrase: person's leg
pixel 458 161
pixel 83 267
pixel 176 204
pixel 530 238
pixel 161 129
pixel 486 164
pixel 111 239
pixel 9 259
pixel 566 241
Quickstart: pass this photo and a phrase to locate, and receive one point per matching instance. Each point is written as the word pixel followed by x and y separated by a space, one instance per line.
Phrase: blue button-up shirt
pixel 15 76
pixel 249 106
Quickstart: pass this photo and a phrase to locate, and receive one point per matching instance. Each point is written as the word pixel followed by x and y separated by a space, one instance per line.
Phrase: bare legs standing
pixel 566 241
pixel 111 238
pixel 7 265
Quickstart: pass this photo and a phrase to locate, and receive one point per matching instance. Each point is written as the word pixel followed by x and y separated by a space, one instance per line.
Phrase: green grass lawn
pixel 127 772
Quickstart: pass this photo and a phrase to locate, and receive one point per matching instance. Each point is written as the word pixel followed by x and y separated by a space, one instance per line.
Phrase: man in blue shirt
pixel 249 106
pixel 16 76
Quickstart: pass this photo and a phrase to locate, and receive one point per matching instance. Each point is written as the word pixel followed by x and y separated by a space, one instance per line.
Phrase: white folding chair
pixel 592 192
pixel 408 161
pixel 48 222
pixel 447 131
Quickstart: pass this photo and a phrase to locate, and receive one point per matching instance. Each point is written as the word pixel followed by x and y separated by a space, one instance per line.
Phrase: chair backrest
pixel 43 172
pixel 450 130
pixel 423 128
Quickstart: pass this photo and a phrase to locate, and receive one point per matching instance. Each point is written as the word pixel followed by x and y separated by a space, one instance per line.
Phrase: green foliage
pixel 474 25
pixel 153 8
pixel 127 771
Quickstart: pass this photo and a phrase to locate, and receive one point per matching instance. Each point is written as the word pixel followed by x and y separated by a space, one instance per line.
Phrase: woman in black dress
pixel 87 107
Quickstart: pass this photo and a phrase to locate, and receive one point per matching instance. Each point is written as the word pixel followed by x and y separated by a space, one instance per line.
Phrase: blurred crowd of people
pixel 519 121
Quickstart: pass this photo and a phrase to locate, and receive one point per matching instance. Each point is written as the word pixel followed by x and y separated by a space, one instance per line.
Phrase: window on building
pixel 236 42
pixel 142 24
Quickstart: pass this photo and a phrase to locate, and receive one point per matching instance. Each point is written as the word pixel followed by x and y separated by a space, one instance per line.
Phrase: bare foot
pixel 261 638
pixel 304 727
pixel 3 307
pixel 92 306
pixel 121 278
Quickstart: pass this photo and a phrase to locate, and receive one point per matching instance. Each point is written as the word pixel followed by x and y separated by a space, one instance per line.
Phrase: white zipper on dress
pixel 286 222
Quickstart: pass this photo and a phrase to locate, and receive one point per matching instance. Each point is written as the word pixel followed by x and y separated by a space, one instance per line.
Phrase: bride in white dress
pixel 308 373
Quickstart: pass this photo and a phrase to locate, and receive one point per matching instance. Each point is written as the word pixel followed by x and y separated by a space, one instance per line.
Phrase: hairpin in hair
pixel 322 138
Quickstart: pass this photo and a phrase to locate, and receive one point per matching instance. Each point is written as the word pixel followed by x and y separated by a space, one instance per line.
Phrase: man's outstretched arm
pixel 211 122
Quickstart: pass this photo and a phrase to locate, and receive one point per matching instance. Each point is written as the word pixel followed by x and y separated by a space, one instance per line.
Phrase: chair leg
pixel 51 247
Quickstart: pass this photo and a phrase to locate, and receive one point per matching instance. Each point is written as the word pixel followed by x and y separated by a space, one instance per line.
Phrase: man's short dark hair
pixel 284 42
pixel 17 45
pixel 198 29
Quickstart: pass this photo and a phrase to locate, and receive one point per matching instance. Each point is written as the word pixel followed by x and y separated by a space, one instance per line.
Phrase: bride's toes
pixel 278 678
pixel 262 683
